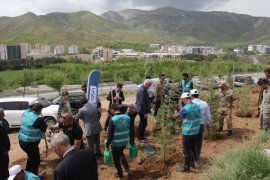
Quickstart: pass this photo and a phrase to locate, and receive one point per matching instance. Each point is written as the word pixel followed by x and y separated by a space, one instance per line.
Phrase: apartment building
pixel 3 52
pixel 25 50
pixel 59 50
pixel 73 49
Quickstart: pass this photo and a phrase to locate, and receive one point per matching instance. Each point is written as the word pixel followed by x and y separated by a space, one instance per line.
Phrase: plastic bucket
pixel 107 158
pixel 133 151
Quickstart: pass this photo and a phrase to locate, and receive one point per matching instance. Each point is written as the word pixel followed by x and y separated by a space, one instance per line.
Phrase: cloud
pixel 19 7
pixel 181 4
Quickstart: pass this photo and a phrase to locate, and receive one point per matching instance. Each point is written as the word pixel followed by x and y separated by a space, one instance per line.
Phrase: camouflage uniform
pixel 159 95
pixel 227 102
pixel 265 110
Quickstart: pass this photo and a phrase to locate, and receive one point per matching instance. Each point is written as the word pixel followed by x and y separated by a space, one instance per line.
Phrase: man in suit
pixel 76 164
pixel 143 104
pixel 89 114
pixel 116 96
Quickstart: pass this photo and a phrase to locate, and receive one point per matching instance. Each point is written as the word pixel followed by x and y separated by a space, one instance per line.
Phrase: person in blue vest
pixel 186 84
pixel 118 137
pixel 190 114
pixel 31 131
pixel 17 173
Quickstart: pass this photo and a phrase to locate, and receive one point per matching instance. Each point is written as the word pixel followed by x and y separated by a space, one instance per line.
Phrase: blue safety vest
pixel 31 176
pixel 121 130
pixel 191 121
pixel 27 132
pixel 186 86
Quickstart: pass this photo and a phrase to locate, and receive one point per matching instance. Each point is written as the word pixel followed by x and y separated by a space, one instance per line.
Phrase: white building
pixel 100 53
pixel 252 47
pixel 154 46
pixel 25 50
pixel 3 52
pixel 46 48
pixel 73 49
pixel 59 50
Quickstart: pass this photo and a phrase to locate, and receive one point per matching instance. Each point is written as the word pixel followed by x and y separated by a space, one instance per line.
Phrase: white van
pixel 14 108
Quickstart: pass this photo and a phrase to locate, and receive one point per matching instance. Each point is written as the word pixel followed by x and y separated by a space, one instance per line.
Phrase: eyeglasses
pixel 64 117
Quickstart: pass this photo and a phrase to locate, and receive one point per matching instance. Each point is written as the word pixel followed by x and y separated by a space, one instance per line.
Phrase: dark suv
pixel 74 100
pixel 240 81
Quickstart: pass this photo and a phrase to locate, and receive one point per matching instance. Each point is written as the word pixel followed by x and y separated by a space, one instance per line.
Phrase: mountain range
pixel 164 25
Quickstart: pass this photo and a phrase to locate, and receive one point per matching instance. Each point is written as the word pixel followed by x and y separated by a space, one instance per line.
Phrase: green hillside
pixel 136 27
pixel 82 28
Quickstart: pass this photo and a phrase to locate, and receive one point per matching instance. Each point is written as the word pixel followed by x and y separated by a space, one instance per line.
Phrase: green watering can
pixel 108 159
pixel 133 150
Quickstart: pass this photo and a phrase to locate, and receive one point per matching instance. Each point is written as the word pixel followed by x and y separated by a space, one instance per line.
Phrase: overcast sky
pixel 19 7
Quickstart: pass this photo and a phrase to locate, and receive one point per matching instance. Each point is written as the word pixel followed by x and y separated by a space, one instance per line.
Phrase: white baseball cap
pixel 32 102
pixel 13 171
pixel 194 92
pixel 185 95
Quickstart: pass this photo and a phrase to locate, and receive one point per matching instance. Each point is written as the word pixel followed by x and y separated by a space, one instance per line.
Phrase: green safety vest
pixel 121 130
pixel 186 86
pixel 27 132
pixel 191 122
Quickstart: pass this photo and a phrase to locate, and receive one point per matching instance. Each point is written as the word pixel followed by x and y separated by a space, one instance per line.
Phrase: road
pixel 102 90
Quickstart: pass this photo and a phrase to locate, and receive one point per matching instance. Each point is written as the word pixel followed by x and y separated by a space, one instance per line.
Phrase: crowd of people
pixel 79 162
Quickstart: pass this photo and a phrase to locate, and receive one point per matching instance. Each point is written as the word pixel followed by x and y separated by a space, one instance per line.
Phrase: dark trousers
pixel 157 106
pixel 33 156
pixel 118 158
pixel 132 126
pixel 142 127
pixel 94 143
pixel 189 149
pixel 199 142
pixel 4 161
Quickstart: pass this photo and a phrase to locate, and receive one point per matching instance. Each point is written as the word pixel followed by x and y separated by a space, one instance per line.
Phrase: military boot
pixel 220 129
pixel 229 133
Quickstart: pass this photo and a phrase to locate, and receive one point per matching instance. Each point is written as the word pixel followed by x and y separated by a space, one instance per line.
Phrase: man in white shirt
pixel 205 118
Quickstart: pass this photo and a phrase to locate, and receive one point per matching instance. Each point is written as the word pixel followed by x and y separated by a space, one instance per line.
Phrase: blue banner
pixel 92 86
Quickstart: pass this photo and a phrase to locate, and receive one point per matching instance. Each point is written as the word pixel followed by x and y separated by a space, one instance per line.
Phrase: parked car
pixel 240 81
pixel 15 107
pixel 206 83
pixel 74 100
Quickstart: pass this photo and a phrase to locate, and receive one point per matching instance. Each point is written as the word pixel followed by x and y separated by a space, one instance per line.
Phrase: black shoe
pixel 220 129
pixel 229 133
pixel 183 169
pixel 192 165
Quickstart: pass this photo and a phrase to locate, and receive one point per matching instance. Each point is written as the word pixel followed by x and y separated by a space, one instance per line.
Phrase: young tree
pixel 25 80
pixel 55 80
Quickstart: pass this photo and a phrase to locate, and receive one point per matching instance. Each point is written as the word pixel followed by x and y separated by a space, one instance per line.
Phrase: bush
pixel 249 163
pixel 261 137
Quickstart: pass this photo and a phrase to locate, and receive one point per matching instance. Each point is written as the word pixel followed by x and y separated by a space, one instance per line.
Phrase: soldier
pixel 64 105
pixel 227 102
pixel 267 76
pixel 159 93
pixel 265 106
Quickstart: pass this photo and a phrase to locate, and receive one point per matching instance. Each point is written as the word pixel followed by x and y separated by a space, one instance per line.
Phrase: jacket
pixel 143 102
pixel 113 92
pixel 77 164
pixel 89 114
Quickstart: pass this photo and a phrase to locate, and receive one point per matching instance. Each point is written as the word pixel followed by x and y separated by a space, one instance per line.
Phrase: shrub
pixel 261 137
pixel 248 163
